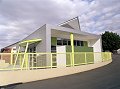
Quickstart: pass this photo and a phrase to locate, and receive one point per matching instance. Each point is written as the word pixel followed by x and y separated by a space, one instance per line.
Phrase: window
pixel 69 43
pixel 64 42
pixel 82 43
pixel 74 42
pixel 32 49
pixel 53 48
pixel 78 43
pixel 59 42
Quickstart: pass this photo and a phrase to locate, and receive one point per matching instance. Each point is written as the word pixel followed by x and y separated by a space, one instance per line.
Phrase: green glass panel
pixel 53 41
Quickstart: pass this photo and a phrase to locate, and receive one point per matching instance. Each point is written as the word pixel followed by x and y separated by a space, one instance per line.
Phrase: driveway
pixel 107 77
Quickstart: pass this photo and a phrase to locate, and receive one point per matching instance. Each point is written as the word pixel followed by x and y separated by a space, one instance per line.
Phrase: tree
pixel 110 41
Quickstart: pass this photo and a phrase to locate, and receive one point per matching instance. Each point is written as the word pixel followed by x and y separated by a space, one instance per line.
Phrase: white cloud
pixel 18 18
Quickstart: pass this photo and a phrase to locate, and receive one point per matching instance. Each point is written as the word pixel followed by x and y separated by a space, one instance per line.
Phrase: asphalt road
pixel 107 77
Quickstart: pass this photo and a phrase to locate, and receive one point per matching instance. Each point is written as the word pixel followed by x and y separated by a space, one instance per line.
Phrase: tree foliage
pixel 110 41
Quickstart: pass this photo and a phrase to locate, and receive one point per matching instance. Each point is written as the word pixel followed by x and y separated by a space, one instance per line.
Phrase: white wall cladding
pixel 39 34
pixel 96 44
pixel 61 58
pixel 41 46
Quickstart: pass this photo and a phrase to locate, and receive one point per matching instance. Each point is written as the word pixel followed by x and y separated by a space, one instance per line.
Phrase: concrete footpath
pixel 106 77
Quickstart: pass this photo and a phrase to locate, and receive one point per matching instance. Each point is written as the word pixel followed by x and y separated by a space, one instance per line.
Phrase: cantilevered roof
pixel 29 41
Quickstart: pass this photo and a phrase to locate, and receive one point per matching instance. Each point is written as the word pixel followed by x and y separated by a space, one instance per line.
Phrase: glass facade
pixel 61 41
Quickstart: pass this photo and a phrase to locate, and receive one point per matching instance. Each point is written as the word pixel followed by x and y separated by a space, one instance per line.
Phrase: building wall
pixel 48 38
pixel 43 33
pixel 97 47
pixel 48 44
pixel 96 44
pixel 39 34
pixel 44 45
pixel 6 57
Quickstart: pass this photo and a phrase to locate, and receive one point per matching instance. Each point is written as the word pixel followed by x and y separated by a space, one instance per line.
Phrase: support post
pixel 20 59
pixel 51 60
pixel 32 61
pixel 11 59
pixel 24 58
pixel 16 57
pixel 85 58
pixel 72 45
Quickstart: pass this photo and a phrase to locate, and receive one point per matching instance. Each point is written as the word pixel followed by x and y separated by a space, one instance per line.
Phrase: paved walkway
pixel 107 77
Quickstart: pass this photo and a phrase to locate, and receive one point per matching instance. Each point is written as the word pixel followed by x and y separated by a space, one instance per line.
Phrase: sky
pixel 19 18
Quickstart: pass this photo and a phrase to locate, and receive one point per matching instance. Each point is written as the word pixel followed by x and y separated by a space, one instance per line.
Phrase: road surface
pixel 107 77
